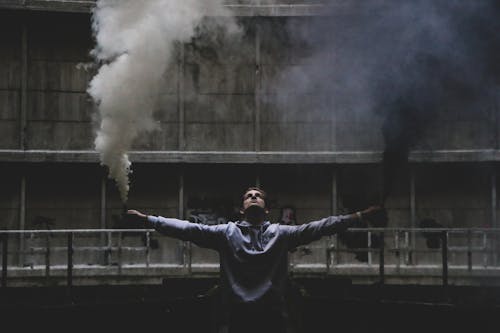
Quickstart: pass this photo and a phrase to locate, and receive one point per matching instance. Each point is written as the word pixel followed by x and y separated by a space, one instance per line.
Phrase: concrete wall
pixel 221 98
pixel 228 95
pixel 10 82
pixel 58 109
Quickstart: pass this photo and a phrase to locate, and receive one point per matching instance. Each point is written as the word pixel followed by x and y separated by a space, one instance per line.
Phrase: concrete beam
pixel 262 157
pixel 85 6
pixel 458 155
pixel 70 6
pixel 278 10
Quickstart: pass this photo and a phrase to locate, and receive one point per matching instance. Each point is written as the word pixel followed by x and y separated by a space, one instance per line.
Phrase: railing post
pixel 70 260
pixel 408 250
pixel 444 255
pixel 109 245
pixel 485 247
pixel 47 257
pixel 4 259
pixel 328 257
pixel 369 247
pixel 337 250
pixel 381 258
pixel 398 251
pixel 469 250
pixel 189 258
pixel 119 253
pixel 148 243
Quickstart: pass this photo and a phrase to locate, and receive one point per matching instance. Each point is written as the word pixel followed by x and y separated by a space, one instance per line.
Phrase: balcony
pixel 444 256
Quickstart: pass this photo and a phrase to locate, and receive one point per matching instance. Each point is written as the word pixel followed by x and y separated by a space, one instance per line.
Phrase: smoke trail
pixel 135 41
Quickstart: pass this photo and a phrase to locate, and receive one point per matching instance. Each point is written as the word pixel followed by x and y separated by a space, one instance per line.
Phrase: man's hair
pixel 255 188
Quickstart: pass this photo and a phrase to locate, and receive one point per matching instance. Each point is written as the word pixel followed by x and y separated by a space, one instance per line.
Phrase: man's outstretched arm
pixel 312 231
pixel 201 234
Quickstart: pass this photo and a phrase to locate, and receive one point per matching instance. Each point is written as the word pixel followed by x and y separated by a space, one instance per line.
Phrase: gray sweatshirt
pixel 253 259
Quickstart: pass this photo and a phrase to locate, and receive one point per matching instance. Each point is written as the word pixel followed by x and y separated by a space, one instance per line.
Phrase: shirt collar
pixel 248 224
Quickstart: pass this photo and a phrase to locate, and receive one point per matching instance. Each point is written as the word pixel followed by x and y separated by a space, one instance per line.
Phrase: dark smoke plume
pixel 405 68
pixel 406 64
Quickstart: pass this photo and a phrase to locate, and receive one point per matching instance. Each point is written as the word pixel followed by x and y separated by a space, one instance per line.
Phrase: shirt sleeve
pixel 312 231
pixel 208 236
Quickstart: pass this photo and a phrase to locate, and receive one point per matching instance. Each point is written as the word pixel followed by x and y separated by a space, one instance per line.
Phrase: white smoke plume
pixel 134 45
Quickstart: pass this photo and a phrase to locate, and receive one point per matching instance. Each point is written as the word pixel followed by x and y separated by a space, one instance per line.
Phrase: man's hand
pixel 376 216
pixel 136 213
pixel 134 219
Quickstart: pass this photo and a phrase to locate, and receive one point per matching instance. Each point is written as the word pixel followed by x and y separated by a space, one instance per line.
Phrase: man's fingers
pixel 135 212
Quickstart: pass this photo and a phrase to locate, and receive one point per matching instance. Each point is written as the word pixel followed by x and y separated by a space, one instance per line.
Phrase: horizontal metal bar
pixel 428 230
pixel 466 249
pixel 63 231
pixel 346 250
pixel 85 248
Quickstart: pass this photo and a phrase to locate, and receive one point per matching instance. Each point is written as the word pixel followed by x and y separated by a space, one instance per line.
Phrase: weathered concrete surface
pixel 223 97
pixel 239 8
pixel 264 157
pixel 220 131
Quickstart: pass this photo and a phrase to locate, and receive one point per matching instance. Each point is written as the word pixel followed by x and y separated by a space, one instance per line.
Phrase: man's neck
pixel 255 215
pixel 254 221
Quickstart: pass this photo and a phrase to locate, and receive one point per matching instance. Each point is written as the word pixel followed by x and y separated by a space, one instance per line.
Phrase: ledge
pixel 278 10
pixel 70 6
pixel 358 274
pixel 267 157
pixel 85 6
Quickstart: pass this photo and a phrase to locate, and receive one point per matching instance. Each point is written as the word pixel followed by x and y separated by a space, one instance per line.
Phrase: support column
pixel 184 246
pixel 180 212
pixel 181 98
pixel 24 86
pixel 105 239
pixel 258 87
pixel 22 217
pixel 334 202
pixel 413 215
pixel 494 223
pixel 102 217
pixel 258 176
pixel 22 135
pixel 333 242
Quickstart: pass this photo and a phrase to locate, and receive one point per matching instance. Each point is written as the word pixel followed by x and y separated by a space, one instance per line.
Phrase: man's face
pixel 253 198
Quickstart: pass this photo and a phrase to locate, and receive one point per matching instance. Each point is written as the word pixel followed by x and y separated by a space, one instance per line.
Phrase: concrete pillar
pixel 181 98
pixel 22 217
pixel 258 87
pixel 181 195
pixel 103 201
pixel 105 239
pixel 413 210
pixel 413 214
pixel 494 223
pixel 334 203
pixel 24 86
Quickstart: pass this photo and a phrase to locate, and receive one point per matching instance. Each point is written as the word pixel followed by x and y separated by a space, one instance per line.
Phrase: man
pixel 253 257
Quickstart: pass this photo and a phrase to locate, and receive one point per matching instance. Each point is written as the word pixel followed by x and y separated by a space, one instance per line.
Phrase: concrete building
pixel 223 128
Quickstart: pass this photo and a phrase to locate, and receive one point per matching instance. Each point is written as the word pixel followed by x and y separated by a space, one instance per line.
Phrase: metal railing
pixel 464 249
